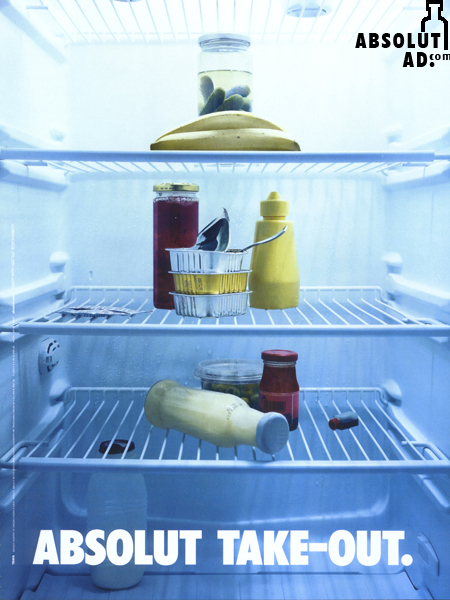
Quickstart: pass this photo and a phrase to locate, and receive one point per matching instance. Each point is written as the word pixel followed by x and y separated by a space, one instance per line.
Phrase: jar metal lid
pixel 223 37
pixel 175 187
pixel 279 356
pixel 229 370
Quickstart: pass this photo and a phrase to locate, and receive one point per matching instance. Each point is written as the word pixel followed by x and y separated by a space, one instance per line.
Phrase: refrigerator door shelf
pixel 377 445
pixel 321 311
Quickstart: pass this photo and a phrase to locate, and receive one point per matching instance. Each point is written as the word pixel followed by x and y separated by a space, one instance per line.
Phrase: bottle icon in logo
pixel 440 8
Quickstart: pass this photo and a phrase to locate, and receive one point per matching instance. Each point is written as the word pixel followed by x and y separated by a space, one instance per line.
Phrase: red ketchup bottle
pixel 175 225
pixel 279 389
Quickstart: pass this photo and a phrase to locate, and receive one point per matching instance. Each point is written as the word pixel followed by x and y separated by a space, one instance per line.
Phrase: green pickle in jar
pixel 248 392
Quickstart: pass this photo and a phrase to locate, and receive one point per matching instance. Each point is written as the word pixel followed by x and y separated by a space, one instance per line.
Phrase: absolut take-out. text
pixel 288 547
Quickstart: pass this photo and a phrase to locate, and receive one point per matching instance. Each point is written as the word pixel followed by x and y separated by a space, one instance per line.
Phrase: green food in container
pixel 206 87
pixel 234 102
pixel 232 376
pixel 214 101
pixel 247 105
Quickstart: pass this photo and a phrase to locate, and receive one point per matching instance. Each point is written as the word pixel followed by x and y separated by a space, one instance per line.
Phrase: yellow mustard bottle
pixel 274 279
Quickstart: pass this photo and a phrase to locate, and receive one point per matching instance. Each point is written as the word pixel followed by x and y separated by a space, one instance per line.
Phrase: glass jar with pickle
pixel 225 73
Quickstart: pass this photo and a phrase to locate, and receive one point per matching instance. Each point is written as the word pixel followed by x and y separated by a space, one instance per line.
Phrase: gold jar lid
pixel 175 187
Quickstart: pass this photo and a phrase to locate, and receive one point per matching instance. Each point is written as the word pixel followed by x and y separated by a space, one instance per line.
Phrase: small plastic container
pixel 225 73
pixel 232 376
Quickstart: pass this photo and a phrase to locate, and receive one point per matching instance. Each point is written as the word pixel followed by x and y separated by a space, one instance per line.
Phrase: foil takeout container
pixel 210 283
pixel 188 260
pixel 210 305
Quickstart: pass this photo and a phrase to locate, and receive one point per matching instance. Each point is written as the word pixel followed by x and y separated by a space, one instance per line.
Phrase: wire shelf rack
pixel 161 21
pixel 92 415
pixel 321 311
pixel 240 162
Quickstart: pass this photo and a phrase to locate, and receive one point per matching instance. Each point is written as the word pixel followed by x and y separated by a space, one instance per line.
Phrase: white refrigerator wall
pixel 33 98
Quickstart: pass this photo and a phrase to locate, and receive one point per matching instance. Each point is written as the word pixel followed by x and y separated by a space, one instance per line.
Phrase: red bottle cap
pixel 279 355
pixel 333 423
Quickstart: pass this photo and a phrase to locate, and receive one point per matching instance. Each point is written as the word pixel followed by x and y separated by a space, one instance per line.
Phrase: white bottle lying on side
pixel 221 419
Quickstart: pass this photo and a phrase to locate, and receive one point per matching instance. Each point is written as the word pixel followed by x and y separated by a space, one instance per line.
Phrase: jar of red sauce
pixel 175 225
pixel 279 389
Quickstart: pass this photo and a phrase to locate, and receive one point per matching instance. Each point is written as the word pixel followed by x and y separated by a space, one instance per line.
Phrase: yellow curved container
pixel 274 279
pixel 210 283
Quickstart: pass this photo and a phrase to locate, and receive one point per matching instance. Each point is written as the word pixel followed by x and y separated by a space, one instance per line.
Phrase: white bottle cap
pixel 272 433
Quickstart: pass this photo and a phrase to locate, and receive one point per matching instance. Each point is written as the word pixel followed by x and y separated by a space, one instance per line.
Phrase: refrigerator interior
pixel 372 327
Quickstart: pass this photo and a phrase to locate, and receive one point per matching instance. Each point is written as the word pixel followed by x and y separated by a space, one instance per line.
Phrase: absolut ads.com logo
pixel 422 48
